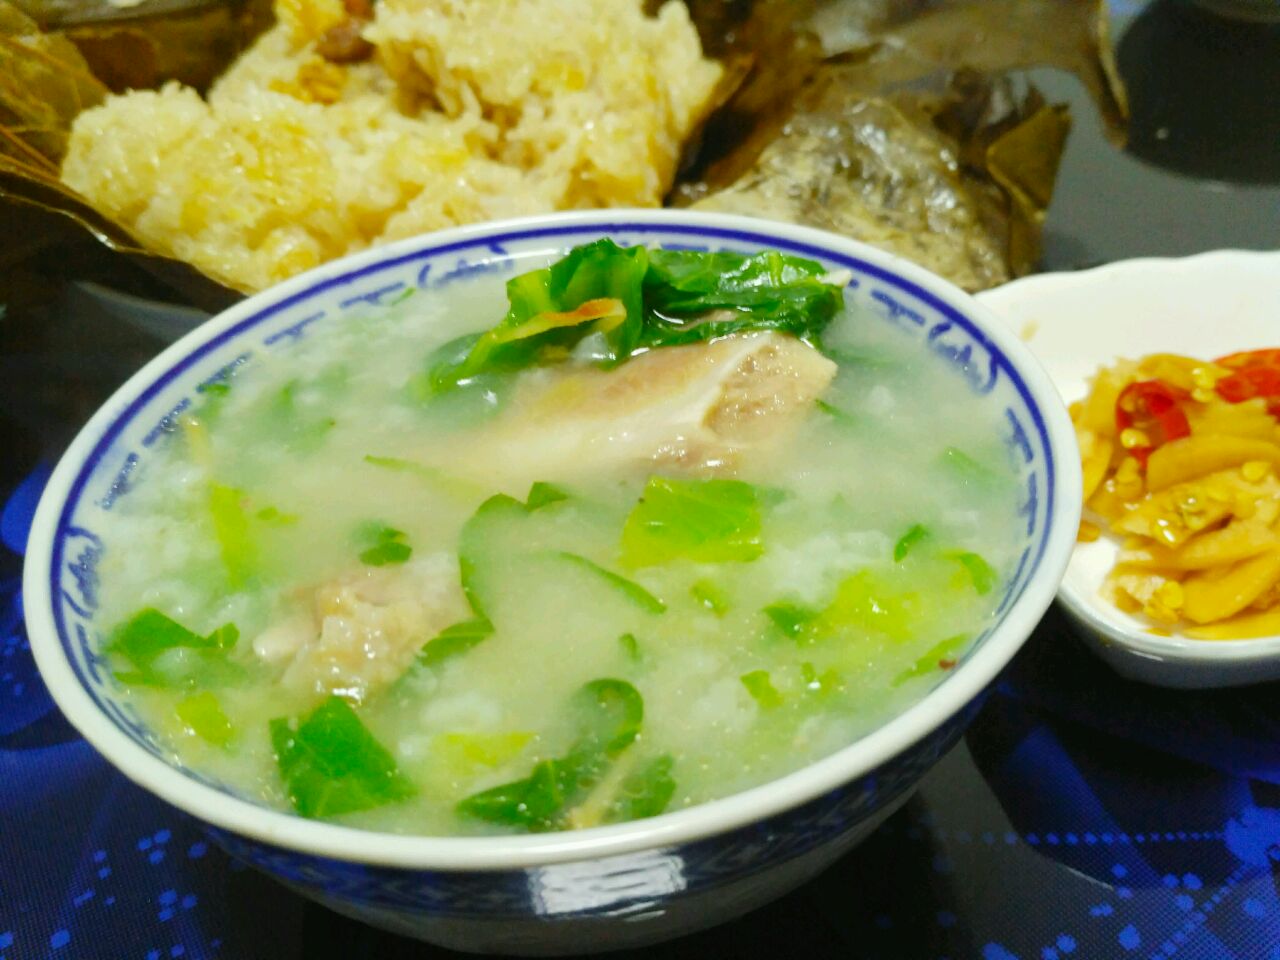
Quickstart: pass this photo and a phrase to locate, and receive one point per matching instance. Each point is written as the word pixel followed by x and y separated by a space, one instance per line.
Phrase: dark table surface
pixel 1083 816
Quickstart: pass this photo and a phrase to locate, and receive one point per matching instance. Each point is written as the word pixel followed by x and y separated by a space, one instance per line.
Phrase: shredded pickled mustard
pixel 1191 491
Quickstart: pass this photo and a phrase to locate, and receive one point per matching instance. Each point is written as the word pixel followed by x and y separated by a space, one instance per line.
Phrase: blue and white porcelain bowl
pixel 606 887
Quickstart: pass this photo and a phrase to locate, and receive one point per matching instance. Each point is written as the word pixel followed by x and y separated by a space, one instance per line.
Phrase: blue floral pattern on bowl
pixel 660 892
pixel 633 897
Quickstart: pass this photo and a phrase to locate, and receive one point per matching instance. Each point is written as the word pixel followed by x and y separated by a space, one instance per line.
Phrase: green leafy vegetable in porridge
pixel 700 543
pixel 161 651
pixel 382 545
pixel 610 716
pixel 454 640
pixel 636 298
pixel 712 521
pixel 331 764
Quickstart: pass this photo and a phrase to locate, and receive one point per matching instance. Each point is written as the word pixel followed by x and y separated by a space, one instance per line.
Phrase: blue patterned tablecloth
pixel 1083 817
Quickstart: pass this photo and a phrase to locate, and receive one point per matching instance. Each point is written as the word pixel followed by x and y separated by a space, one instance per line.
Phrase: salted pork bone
pixel 696 406
pixel 361 630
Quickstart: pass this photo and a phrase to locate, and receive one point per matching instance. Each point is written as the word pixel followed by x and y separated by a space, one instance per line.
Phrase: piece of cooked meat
pixel 365 627
pixel 696 405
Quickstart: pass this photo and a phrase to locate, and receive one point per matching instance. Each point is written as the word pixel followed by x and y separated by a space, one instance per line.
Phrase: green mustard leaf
pixel 212 398
pixel 941 656
pixel 231 529
pixel 540 324
pixel 764 291
pixel 967 471
pixel 666 298
pixel 710 597
pixel 383 545
pixel 761 688
pixel 637 594
pixel 981 574
pixel 300 429
pixel 609 714
pixel 471 543
pixel 331 764
pixel 835 413
pixel 454 640
pixel 384 554
pixel 203 714
pixel 445 370
pixel 822 684
pixel 531 803
pixel 463 754
pixel 274 517
pixel 707 521
pixel 224 637
pixel 498 509
pixel 863 602
pixel 149 634
pixel 915 535
pixel 644 793
pixel 541 494
pixel 684 273
pixel 790 618
pixel 453 486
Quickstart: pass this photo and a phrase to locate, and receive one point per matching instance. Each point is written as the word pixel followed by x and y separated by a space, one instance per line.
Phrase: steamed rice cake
pixel 432 113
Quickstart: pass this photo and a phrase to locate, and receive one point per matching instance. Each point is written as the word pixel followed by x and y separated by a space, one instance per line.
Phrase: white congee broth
pixel 527 583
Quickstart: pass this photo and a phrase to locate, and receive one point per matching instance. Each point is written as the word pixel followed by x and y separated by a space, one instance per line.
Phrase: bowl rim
pixel 1093 613
pixel 318 838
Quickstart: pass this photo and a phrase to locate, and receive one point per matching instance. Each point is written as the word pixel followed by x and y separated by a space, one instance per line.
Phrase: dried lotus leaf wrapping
pixel 44 84
pixel 876 169
pixel 967 198
pixel 893 42
pixel 904 129
pixel 139 44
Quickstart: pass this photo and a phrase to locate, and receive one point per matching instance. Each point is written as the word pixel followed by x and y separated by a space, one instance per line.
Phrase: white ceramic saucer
pixel 1207 305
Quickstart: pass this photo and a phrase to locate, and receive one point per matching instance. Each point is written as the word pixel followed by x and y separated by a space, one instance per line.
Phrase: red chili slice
pixel 1250 358
pixel 1250 382
pixel 1155 408
pixel 1257 374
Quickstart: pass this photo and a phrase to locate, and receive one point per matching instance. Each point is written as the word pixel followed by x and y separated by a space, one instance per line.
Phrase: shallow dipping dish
pixel 1206 306
pixel 606 887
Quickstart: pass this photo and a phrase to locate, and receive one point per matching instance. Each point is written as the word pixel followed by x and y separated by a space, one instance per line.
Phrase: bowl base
pixel 635 925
